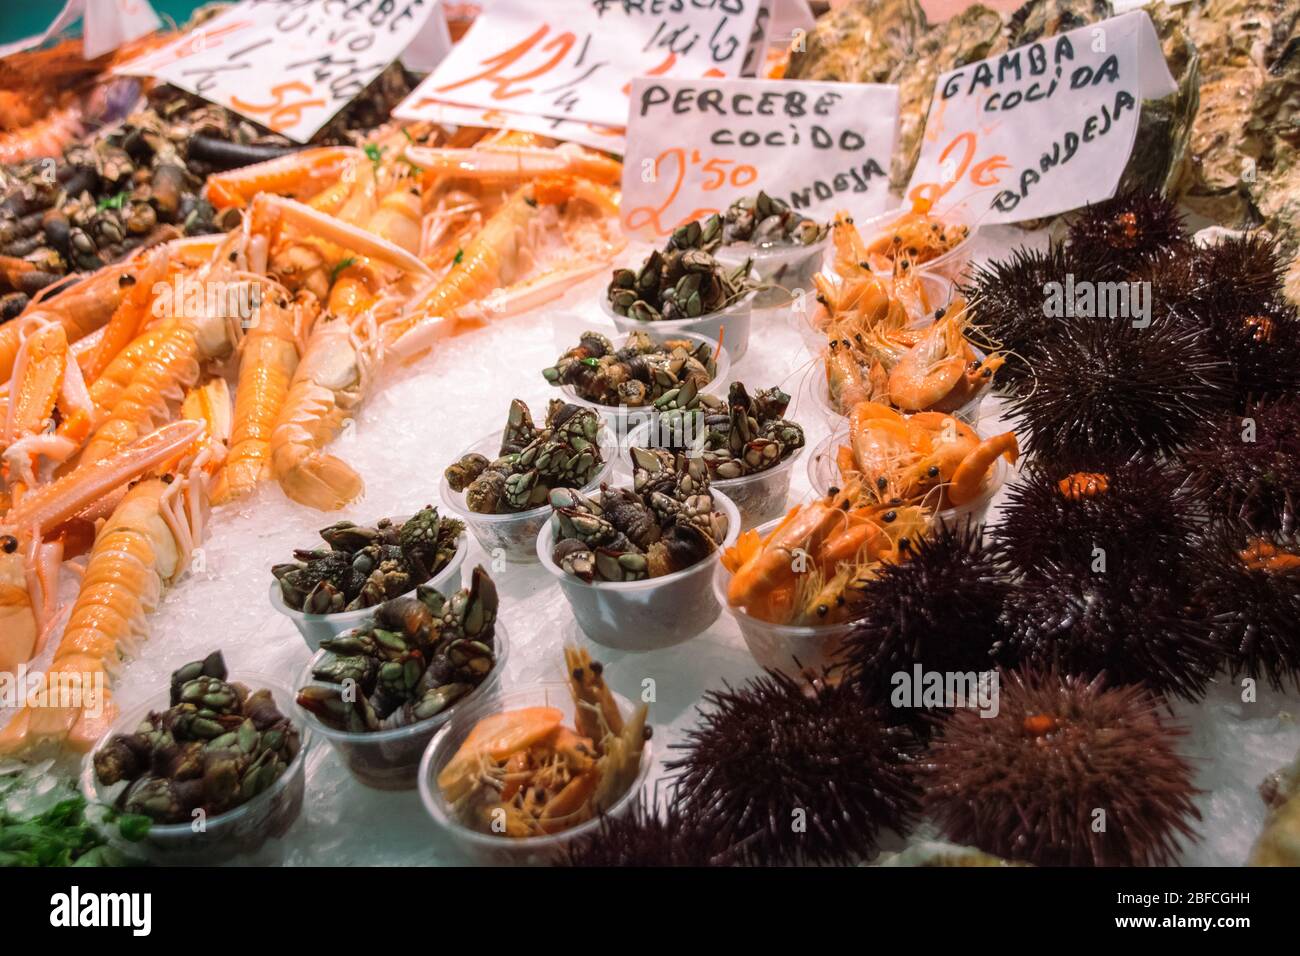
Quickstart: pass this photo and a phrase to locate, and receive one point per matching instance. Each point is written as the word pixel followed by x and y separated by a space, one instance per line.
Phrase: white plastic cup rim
pixel 501 641
pixel 454 500
pixel 350 619
pixel 657 332
pixel 636 439
pixel 128 720
pixel 431 797
pixel 546 536
pixel 777 251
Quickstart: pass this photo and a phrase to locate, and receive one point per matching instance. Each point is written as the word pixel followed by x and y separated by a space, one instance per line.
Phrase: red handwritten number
pixel 983 173
pixel 720 172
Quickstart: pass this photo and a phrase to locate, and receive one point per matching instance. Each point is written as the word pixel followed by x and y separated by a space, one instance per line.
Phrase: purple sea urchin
pixel 793 775
pixel 1260 340
pixel 1247 467
pixel 1007 308
pixel 650 835
pixel 1069 772
pixel 1243 271
pixel 1112 239
pixel 1105 387
pixel 1136 511
pixel 942 608
pixel 1135 628
pixel 1249 587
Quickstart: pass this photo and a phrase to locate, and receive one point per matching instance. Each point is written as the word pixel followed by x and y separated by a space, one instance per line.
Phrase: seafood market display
pixel 366 566
pixel 918 540
pixel 563 453
pixel 663 374
pixel 665 523
pixel 216 747
pixel 526 773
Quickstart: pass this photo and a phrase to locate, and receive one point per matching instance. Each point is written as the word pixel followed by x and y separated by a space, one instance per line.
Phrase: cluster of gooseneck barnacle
pixel 666 522
pixel 744 435
pixel 364 566
pixel 564 452
pixel 668 374
pixel 415 658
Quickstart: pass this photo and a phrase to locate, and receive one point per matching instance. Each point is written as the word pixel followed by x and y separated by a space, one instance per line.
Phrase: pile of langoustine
pixel 118 427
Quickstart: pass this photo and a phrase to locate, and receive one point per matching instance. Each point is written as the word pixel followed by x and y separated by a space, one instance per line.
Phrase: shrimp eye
pixel 934 471
pixel 890 515
pixel 8 544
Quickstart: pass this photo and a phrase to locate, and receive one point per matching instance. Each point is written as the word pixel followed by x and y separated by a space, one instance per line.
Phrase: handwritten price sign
pixel 818 146
pixel 1044 128
pixel 107 24
pixel 291 65
pixel 608 138
pixel 575 59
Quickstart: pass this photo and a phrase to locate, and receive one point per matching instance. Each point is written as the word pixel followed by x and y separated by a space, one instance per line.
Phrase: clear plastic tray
pixel 824 474
pixel 623 418
pixel 730 325
pixel 646 614
pixel 514 535
pixel 390 759
pixel 246 828
pixel 315 628
pixel 759 497
pixel 952 263
pixel 788 269
pixel 498 850
pixel 800 651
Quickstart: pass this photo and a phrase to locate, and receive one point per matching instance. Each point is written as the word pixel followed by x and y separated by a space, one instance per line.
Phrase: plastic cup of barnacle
pixel 823 474
pixel 315 628
pixel 649 613
pixel 950 264
pixel 804 652
pixel 390 759
pixel 513 534
pixel 624 418
pixel 759 497
pixel 730 325
pixel 819 392
pixel 497 848
pixel 246 829
pixel 784 269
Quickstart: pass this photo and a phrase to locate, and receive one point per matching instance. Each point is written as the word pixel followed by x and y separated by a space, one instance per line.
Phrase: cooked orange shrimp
pixel 266 367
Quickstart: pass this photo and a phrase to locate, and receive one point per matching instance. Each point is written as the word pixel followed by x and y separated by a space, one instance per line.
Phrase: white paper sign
pixel 694 146
pixel 111 23
pixel 108 24
pixel 291 65
pixel 1044 128
pixel 574 59
pixel 431 46
pixel 608 138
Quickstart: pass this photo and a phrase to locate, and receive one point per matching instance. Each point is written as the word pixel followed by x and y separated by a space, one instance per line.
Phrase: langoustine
pixel 146 544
